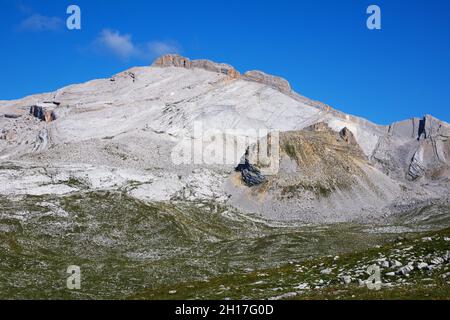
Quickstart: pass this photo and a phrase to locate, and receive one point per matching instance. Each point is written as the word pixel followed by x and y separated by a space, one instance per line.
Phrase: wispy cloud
pixel 159 48
pixel 118 44
pixel 38 22
pixel 122 46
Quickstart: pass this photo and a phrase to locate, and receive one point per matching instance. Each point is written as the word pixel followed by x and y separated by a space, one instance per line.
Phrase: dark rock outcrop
pixel 12 116
pixel 251 175
pixel 37 112
pixel 42 114
pixel 56 103
pixel 348 136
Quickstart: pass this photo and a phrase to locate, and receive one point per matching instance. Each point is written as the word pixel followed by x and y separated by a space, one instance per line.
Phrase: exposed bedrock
pixel 42 113
pixel 348 136
pixel 216 67
pixel 173 60
pixel 251 175
pixel 322 173
pixel 417 168
pixel 338 168
pixel 272 81
pixel 41 141
pixel 415 148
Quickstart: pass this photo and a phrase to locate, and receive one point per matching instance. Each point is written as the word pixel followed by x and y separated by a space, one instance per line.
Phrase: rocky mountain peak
pixel 175 60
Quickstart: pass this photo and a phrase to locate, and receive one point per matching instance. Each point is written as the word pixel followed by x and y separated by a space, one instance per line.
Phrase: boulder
pixel 422 265
pixel 326 271
pixel 302 286
pixel 251 175
pixel 437 261
pixel 406 270
pixel 288 295
pixel 384 264
pixel 348 136
pixel 446 257
pixel 395 263
pixel 12 116
pixel 346 279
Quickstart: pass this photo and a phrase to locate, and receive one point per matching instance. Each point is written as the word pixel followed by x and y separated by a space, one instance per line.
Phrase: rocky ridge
pixel 257 76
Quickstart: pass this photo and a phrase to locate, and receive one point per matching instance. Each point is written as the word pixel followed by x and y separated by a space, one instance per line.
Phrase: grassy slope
pixel 128 249
pixel 277 282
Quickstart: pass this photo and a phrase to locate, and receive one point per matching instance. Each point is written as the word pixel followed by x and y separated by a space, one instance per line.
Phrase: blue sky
pixel 322 47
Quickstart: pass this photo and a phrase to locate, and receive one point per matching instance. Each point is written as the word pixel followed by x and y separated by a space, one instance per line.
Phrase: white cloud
pixel 38 22
pixel 159 48
pixel 117 44
pixel 123 47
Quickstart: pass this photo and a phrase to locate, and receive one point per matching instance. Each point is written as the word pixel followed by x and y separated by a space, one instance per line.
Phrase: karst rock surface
pixel 135 130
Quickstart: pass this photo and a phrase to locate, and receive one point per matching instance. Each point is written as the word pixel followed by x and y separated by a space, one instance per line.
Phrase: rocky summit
pixel 164 165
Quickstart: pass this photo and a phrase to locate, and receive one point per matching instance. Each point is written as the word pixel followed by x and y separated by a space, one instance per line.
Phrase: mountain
pixel 137 132
pixel 188 179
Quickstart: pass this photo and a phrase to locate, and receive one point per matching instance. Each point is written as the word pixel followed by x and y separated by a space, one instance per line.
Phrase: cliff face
pixel 178 61
pixel 415 148
pixel 172 60
pixel 256 76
